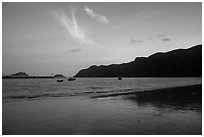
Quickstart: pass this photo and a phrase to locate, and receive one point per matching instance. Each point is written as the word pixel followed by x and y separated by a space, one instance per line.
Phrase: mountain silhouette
pixel 19 74
pixel 175 63
pixel 59 76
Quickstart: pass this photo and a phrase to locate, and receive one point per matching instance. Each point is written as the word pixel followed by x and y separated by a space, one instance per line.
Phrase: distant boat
pixel 59 80
pixel 71 79
pixel 119 78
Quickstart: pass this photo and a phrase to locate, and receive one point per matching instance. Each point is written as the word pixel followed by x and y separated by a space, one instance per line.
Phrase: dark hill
pixel 19 74
pixel 176 63
pixel 59 76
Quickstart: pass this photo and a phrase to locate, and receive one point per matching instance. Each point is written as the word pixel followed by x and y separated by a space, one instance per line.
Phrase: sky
pixel 63 38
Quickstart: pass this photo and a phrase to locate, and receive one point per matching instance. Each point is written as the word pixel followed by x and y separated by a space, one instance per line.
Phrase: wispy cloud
pixel 96 16
pixel 74 50
pixel 166 39
pixel 72 27
pixel 134 41
pixel 159 37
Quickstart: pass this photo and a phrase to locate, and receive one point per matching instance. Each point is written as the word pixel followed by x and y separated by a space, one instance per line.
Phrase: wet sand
pixel 176 111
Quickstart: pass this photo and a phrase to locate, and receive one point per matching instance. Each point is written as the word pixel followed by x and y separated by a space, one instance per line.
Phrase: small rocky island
pixel 23 75
pixel 19 74
pixel 59 76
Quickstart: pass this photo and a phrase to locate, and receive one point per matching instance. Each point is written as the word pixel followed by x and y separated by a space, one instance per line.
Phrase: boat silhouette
pixel 119 78
pixel 71 79
pixel 59 80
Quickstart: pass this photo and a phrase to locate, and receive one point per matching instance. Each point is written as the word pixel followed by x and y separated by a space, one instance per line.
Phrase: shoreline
pixel 155 91
pixel 141 93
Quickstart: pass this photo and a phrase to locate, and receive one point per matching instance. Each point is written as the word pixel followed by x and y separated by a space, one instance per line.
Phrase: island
pixel 23 75
pixel 59 76
pixel 175 63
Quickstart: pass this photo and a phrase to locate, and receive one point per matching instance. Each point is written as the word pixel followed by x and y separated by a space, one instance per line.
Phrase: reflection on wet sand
pixel 179 98
pixel 171 111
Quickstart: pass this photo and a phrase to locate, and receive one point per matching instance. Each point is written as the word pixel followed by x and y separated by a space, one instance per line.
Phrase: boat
pixel 71 79
pixel 59 80
pixel 119 78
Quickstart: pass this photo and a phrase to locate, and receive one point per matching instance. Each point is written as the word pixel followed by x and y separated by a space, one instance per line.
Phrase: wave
pixel 90 94
pixel 154 91
pixel 86 93
pixel 39 96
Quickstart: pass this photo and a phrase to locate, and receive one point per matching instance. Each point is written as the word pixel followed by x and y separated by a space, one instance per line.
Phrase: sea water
pixel 44 106
pixel 29 89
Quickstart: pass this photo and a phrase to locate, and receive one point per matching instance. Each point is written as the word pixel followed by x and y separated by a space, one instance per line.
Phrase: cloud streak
pixel 166 39
pixel 75 50
pixel 96 16
pixel 134 41
pixel 72 27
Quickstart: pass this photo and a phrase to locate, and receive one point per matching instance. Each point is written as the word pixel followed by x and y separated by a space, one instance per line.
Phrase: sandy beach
pixel 176 111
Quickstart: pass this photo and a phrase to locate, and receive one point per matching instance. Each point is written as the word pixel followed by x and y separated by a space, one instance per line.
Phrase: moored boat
pixel 119 78
pixel 71 79
pixel 59 80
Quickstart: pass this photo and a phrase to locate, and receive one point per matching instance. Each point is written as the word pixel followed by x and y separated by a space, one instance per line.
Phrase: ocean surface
pixel 30 89
pixel 87 106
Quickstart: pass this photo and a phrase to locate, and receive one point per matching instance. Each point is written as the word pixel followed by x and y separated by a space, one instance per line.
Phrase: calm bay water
pixel 27 89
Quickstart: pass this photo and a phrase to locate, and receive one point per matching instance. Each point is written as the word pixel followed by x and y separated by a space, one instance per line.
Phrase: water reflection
pixel 183 98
